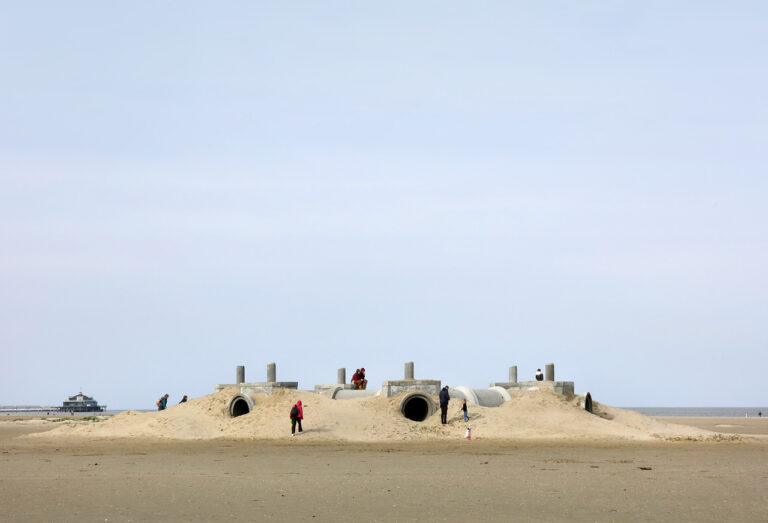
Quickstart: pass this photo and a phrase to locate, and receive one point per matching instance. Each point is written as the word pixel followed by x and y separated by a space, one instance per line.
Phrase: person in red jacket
pixel 297 414
pixel 356 379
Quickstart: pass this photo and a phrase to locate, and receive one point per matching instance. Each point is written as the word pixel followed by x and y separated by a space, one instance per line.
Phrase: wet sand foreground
pixel 67 479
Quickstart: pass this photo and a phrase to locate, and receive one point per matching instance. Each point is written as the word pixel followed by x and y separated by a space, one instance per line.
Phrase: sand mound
pixel 530 415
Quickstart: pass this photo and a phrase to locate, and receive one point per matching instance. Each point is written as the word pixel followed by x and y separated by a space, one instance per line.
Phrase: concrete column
pixel 549 372
pixel 409 370
pixel 341 376
pixel 271 373
pixel 513 374
pixel 240 374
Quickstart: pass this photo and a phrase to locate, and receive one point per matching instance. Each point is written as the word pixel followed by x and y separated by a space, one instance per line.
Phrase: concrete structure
pixel 512 379
pixel 417 406
pixel 391 388
pixel 560 387
pixel 492 397
pixel 343 393
pixel 262 387
pixel 341 383
pixel 419 401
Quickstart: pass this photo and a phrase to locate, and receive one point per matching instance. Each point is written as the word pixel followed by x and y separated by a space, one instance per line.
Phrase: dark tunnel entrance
pixel 239 407
pixel 588 403
pixel 415 408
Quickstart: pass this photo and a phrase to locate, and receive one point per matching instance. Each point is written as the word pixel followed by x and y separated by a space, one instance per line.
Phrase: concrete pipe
pixel 340 393
pixel 240 404
pixel 417 406
pixel 505 395
pixel 464 393
pixel 492 397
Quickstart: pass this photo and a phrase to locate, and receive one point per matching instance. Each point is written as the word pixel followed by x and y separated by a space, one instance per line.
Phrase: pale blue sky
pixel 186 187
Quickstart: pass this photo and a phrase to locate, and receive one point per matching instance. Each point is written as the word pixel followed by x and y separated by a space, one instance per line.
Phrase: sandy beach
pixel 89 472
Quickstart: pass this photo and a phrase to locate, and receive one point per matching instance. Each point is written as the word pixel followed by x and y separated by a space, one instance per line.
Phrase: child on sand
pixel 464 410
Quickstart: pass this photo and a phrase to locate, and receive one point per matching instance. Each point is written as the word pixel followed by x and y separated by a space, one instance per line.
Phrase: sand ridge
pixel 529 415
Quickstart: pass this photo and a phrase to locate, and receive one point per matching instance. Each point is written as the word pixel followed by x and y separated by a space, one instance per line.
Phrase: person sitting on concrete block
pixel 362 382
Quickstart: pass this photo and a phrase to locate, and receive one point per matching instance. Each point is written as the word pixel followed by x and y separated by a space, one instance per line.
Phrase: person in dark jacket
pixel 162 402
pixel 297 414
pixel 183 400
pixel 444 399
pixel 464 410
pixel 539 375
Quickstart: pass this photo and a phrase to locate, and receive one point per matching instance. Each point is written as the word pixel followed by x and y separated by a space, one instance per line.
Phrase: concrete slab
pixel 264 387
pixel 394 387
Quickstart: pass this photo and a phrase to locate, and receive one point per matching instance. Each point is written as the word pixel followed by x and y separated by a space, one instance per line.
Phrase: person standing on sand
pixel 297 414
pixel 444 399
pixel 539 375
pixel 162 402
pixel 464 410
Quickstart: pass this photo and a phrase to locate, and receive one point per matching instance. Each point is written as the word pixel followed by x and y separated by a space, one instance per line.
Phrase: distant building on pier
pixel 82 403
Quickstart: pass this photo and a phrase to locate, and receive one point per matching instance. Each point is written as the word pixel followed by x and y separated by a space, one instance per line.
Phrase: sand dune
pixel 530 415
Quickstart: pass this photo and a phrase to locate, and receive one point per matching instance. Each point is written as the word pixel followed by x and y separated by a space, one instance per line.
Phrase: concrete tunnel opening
pixel 417 406
pixel 239 406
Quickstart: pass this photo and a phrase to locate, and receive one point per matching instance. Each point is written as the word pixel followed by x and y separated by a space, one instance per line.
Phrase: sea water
pixel 702 412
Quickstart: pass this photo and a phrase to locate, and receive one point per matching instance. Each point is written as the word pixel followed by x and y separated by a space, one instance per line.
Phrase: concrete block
pixel 513 374
pixel 326 388
pixel 260 387
pixel 395 387
pixel 565 388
